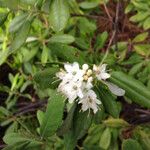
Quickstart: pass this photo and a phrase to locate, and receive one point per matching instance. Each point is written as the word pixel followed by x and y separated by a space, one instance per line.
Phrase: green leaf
pixel 139 16
pixel 9 138
pixel 146 24
pixel 40 116
pixel 140 5
pixel 109 102
pixel 45 78
pixel 105 139
pixel 142 49
pixel 74 7
pixel 88 5
pixel 82 43
pixel 99 116
pixel 17 146
pixel 6 3
pixel 94 134
pixel 33 146
pixel 66 39
pixel 28 54
pixel 135 90
pixel 44 55
pixel 17 22
pixel 62 52
pixel 141 37
pixel 80 125
pixel 144 138
pixel 129 8
pixel 46 6
pixel 12 128
pixel 115 123
pixel 20 36
pixel 70 141
pixel 67 124
pixel 6 122
pixel 26 145
pixel 135 69
pixel 4 111
pixel 20 139
pixel 131 144
pixel 14 82
pixel 53 115
pixel 3 56
pixel 86 27
pixel 3 17
pixel 59 15
pixel 100 40
pixel 29 2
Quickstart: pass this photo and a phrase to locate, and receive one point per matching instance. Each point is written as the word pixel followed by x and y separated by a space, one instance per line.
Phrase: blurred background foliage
pixel 39 34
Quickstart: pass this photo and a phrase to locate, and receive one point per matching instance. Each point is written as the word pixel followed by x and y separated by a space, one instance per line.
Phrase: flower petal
pixel 84 107
pixel 103 68
pixel 80 94
pixel 75 65
pixel 68 67
pixel 115 89
pixel 103 76
pixel 95 68
pixel 85 67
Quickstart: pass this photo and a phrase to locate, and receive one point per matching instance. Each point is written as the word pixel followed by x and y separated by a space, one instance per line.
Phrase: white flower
pixel 90 101
pixel 77 84
pixel 100 72
pixel 72 79
pixel 61 74
pixel 85 67
pixel 73 71
pixel 71 90
pixel 87 85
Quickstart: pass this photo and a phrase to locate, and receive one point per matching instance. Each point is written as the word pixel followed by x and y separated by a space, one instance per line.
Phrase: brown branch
pixel 2 146
pixel 143 111
pixel 30 107
pixel 107 12
pixel 141 120
pixel 25 112
pixel 116 26
pixel 108 47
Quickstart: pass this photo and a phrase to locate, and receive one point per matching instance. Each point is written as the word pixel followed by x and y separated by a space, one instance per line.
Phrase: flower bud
pixel 95 68
pixel 85 77
pixel 89 72
pixel 85 67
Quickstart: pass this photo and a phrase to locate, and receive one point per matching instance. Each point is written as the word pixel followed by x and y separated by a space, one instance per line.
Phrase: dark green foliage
pixel 37 37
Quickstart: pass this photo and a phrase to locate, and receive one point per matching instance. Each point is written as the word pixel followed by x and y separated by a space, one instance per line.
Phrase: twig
pixel 108 47
pixel 114 34
pixel 116 25
pixel 22 104
pixel 107 12
pixel 143 111
pixel 142 120
pixel 24 112
pixel 2 146
pixel 30 108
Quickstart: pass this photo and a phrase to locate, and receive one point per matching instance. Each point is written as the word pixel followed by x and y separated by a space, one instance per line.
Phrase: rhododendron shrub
pixel 74 75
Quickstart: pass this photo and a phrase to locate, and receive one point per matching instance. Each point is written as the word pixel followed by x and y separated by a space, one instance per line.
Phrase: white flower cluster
pixel 76 84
